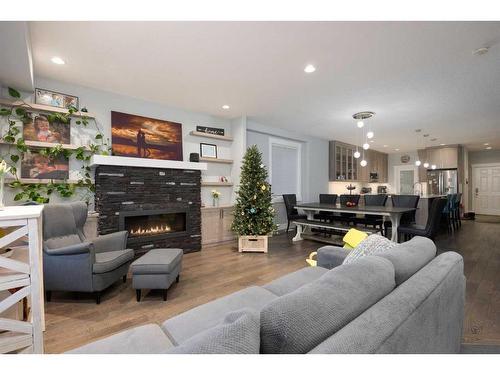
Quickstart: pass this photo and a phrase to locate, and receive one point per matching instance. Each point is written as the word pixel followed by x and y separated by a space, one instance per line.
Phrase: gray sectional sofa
pixel 406 300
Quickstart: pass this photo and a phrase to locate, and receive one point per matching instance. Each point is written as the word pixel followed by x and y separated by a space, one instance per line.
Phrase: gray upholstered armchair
pixel 71 262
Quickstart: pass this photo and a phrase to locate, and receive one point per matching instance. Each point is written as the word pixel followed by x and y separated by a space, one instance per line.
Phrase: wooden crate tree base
pixel 256 244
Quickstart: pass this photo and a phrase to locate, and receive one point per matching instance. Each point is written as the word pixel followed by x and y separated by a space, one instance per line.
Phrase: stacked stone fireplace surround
pixel 122 191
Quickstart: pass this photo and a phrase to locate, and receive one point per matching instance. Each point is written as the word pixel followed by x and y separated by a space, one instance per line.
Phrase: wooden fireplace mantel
pixel 124 161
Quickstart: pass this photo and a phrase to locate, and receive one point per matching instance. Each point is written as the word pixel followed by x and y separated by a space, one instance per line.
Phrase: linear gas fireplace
pixel 157 223
pixel 160 208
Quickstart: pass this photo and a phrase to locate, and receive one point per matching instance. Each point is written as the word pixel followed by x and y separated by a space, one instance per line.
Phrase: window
pixel 284 167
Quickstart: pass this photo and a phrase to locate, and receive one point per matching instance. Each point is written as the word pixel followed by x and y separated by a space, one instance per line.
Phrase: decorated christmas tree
pixel 254 213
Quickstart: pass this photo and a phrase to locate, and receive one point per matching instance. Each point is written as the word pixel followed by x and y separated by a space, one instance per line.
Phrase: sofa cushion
pixel 409 257
pixel 157 261
pixel 373 244
pixel 110 260
pixel 295 280
pixel 186 325
pixel 239 333
pixel 300 320
pixel 147 339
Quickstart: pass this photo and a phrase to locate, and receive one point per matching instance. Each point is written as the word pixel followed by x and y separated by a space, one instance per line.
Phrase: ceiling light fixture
pixel 360 124
pixel 225 106
pixel 442 144
pixel 488 148
pixel 396 149
pixel 57 60
pixel 486 144
pixel 310 68
pixel 357 154
pixel 366 146
pixel 418 162
pixel 370 135
pixel 385 145
pixel 481 51
pixel 433 166
pixel 426 165
pixel 363 163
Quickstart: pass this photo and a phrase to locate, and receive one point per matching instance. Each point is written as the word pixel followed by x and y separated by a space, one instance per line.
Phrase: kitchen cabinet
pixel 377 163
pixel 216 224
pixel 344 167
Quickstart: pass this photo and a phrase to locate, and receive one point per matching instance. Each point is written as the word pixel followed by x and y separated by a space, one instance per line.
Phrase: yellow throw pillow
pixel 353 237
pixel 312 262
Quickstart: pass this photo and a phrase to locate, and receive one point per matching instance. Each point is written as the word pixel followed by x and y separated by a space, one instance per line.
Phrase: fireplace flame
pixel 153 230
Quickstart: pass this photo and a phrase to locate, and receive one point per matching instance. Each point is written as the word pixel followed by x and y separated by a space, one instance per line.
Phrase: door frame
pixel 473 180
pixel 404 167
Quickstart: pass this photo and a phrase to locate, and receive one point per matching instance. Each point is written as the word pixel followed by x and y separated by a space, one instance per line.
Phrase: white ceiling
pixel 412 74
pixel 15 57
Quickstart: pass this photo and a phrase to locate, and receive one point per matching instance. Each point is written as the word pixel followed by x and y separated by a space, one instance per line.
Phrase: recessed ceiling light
pixel 442 144
pixel 486 144
pixel 372 141
pixel 385 145
pixel 488 148
pixel 57 60
pixel 480 51
pixel 225 106
pixel 310 68
pixel 396 149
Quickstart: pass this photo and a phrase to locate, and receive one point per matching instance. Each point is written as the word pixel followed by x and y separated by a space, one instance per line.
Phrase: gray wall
pixel 487 156
pixel 314 165
pixel 101 103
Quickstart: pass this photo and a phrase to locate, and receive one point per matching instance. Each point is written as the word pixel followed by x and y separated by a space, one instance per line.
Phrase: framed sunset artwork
pixel 144 137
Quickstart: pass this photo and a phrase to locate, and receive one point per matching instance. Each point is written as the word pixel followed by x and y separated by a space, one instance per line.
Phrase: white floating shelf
pixel 124 161
pixel 47 144
pixel 42 108
pixel 212 136
pixel 216 160
pixel 216 183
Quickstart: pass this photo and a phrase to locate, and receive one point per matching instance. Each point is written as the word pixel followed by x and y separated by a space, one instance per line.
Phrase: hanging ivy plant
pixel 38 192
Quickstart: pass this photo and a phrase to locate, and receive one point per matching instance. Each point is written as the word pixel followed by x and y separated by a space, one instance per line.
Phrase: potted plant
pixel 254 213
pixel 215 198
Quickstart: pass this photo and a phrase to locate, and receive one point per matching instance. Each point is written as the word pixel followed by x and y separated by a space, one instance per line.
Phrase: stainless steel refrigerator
pixel 442 181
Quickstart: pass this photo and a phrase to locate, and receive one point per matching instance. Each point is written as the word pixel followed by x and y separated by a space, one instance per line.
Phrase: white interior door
pixel 486 189
pixel 405 177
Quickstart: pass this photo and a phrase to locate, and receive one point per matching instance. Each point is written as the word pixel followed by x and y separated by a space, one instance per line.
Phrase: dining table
pixel 393 213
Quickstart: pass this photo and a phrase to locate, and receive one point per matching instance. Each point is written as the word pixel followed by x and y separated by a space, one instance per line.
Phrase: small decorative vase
pixel 216 202
pixel 1 192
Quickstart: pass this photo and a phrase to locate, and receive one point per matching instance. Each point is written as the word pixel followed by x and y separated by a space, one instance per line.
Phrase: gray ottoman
pixel 157 269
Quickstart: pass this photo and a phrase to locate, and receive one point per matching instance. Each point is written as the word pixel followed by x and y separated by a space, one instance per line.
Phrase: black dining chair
pixel 373 220
pixel 328 199
pixel 347 217
pixel 432 226
pixel 291 212
pixel 408 201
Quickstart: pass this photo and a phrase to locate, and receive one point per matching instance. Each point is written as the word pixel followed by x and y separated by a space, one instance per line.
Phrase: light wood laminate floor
pixel 73 319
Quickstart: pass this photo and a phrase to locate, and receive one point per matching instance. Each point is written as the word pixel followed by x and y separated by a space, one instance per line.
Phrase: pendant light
pixel 360 117
pixel 426 163
pixel 418 162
